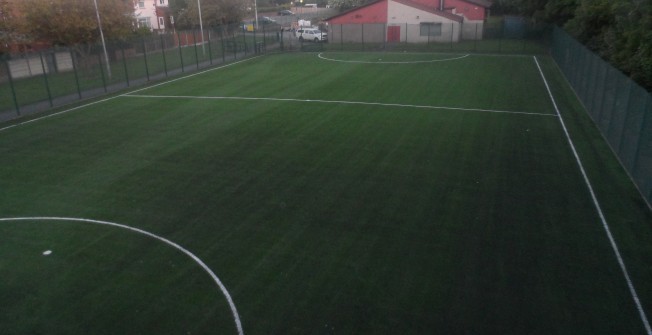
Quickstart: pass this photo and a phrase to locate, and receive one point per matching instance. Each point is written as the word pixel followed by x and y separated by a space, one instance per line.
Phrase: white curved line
pixel 234 311
pixel 405 62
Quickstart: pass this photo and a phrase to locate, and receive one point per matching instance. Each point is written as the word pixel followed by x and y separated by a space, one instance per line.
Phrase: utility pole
pixel 106 55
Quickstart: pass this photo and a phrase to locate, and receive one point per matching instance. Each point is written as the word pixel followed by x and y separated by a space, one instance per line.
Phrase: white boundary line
pixel 226 294
pixel 334 102
pixel 381 62
pixel 120 95
pixel 605 225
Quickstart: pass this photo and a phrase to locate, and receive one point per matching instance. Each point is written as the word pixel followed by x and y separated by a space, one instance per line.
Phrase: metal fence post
pixel 194 38
pixel 500 38
pixel 626 109
pixel 255 44
pixel 165 63
pixel 384 36
pixel 45 78
pixel 210 51
pixel 235 47
pixel 124 63
pixel 99 58
pixel 646 115
pixel 74 68
pixel 180 52
pixel 222 42
pixel 244 40
pixel 406 33
pixel 13 88
pixel 145 57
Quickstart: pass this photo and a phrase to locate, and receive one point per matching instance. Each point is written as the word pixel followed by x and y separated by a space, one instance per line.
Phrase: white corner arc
pixel 234 311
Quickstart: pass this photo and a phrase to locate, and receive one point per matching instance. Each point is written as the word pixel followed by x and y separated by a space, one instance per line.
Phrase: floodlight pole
pixel 106 55
pixel 256 13
pixel 201 28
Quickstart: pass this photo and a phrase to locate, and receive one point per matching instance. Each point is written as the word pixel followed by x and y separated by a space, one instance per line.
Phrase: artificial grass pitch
pixel 318 216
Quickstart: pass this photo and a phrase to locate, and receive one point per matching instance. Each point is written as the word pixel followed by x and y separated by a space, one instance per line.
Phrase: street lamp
pixel 106 55
pixel 256 13
pixel 201 28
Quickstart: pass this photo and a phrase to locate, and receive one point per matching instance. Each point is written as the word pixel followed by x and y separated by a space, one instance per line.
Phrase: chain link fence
pixel 37 81
pixel 618 106
pixel 505 35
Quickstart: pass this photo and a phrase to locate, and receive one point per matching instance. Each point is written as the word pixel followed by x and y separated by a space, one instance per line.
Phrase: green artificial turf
pixel 335 199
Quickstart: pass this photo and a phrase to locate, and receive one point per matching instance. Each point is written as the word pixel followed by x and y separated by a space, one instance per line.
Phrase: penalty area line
pixel 343 102
pixel 234 311
pixel 605 225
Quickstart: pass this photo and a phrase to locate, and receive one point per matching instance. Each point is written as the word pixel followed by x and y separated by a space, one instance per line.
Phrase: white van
pixel 311 34
pixel 311 5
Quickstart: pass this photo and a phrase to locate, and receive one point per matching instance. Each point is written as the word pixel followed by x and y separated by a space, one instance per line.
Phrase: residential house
pixel 153 14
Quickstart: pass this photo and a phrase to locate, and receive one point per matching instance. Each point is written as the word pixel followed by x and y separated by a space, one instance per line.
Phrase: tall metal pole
pixel 256 13
pixel 106 54
pixel 201 28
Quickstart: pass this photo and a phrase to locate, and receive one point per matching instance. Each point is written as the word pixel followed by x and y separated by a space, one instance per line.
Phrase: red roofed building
pixel 411 20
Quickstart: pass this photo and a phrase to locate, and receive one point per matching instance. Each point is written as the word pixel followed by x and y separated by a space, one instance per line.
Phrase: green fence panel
pixel 643 165
pixel 621 109
pixel 633 126
pixel 9 106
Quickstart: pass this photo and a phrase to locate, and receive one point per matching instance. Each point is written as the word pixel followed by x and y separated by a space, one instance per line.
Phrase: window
pixel 141 3
pixel 161 22
pixel 430 29
pixel 143 22
pixel 161 2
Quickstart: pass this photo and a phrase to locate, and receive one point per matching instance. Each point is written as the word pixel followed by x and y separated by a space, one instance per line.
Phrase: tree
pixel 347 4
pixel 554 11
pixel 620 31
pixel 5 23
pixel 74 22
pixel 8 33
pixel 559 11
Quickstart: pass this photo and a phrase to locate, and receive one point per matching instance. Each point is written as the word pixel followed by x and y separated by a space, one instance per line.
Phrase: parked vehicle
pixel 267 19
pixel 311 34
pixel 285 12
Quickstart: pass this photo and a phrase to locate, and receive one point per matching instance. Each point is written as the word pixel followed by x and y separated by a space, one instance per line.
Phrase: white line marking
pixel 333 102
pixel 605 225
pixel 117 96
pixel 226 294
pixel 384 62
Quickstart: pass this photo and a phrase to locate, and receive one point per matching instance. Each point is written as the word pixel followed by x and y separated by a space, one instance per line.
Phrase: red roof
pixel 412 4
pixel 432 10
pixel 354 9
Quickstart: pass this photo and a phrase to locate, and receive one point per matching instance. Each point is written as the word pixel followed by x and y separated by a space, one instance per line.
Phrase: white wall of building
pixel 411 19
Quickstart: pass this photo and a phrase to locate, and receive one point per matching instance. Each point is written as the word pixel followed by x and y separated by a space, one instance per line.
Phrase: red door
pixel 394 34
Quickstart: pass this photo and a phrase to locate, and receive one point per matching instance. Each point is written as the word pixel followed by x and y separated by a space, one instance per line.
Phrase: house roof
pixel 353 9
pixel 416 5
pixel 432 10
